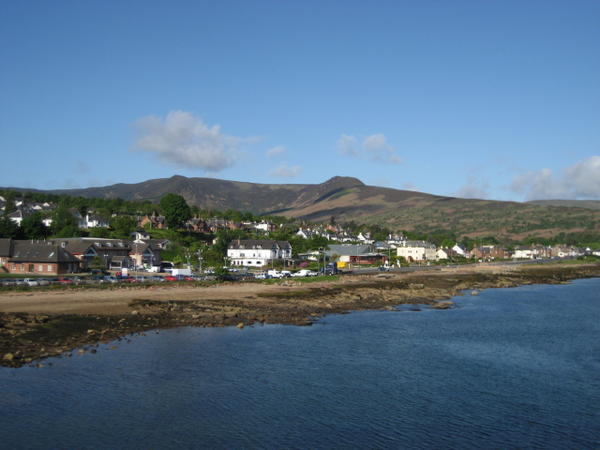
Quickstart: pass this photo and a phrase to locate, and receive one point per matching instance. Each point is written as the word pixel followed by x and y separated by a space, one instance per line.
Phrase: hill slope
pixel 347 199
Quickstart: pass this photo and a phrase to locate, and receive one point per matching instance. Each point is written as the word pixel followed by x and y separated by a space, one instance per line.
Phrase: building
pixel 257 252
pixel 41 258
pixel 5 252
pixel 489 252
pixel 360 254
pixel 85 249
pixel 416 251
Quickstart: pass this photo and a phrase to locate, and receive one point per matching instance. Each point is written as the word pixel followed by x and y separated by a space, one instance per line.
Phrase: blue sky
pixel 490 99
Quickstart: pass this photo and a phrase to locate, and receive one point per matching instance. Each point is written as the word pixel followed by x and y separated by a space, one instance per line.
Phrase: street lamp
pixel 199 260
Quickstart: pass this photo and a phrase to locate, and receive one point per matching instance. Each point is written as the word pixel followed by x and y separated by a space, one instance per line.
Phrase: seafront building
pixel 257 252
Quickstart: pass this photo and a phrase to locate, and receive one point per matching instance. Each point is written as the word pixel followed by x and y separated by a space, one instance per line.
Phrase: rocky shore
pixel 34 326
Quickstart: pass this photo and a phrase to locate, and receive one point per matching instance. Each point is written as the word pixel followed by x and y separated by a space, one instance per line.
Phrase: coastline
pixel 36 325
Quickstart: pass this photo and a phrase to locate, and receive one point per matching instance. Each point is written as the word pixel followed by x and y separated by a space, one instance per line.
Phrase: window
pixel 49 268
pixel 40 267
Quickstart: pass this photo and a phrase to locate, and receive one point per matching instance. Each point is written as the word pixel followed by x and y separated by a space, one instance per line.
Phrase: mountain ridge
pixel 349 199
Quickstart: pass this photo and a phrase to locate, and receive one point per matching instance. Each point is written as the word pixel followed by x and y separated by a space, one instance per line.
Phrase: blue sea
pixel 509 368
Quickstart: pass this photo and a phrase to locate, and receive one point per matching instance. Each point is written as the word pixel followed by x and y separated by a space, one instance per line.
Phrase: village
pixel 253 246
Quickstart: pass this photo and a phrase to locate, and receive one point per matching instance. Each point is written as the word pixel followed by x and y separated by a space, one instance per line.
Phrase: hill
pixel 588 204
pixel 348 199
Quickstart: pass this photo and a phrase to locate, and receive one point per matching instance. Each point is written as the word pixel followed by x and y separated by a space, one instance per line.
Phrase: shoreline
pixel 38 325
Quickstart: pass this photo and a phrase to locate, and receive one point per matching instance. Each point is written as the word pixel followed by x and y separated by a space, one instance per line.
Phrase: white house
pixel 365 238
pixel 304 234
pixel 417 251
pixel 17 216
pixel 95 221
pixel 442 253
pixel 524 253
pixel 459 250
pixel 257 252
pixel 264 226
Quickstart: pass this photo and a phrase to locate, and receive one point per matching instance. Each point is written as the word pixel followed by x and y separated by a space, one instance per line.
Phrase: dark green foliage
pixel 175 209
pixel 63 221
pixel 9 229
pixel 33 228
pixel 122 227
pixel 9 198
pixel 99 232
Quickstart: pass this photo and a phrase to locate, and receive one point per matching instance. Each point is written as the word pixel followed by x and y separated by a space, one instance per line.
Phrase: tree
pixel 9 229
pixel 122 226
pixel 9 202
pixel 33 227
pixel 64 223
pixel 175 209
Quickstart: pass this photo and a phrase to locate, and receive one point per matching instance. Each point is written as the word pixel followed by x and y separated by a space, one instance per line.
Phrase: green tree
pixel 33 227
pixel 9 229
pixel 122 226
pixel 64 223
pixel 9 198
pixel 175 209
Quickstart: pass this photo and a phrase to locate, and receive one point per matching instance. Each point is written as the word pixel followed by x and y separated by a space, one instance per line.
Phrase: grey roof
pixel 27 251
pixel 423 244
pixel 258 244
pixel 5 247
pixel 74 245
pixel 349 249
pixel 81 244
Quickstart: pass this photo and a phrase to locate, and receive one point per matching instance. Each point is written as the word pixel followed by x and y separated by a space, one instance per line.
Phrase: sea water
pixel 509 368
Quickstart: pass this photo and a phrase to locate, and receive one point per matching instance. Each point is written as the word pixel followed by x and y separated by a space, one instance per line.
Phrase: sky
pixel 475 99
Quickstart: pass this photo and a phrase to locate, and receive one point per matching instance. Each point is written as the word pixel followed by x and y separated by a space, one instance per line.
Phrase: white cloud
pixel 285 171
pixel 275 151
pixel 348 145
pixel 185 140
pixel 580 181
pixel 473 188
pixel 374 147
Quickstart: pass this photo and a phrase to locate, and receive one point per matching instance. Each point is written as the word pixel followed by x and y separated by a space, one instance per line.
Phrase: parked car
pixel 301 273
pixel 110 279
pixel 31 282
pixel 262 276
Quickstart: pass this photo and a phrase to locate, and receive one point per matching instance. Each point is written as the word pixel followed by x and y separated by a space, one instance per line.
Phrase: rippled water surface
pixel 508 368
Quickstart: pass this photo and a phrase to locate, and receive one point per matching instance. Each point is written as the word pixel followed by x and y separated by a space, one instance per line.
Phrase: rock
pixel 240 325
pixel 443 305
pixel 93 350
pixel 474 292
pixel 81 351
pixel 134 312
pixel 416 286
pixel 91 332
pixel 8 357
pixel 40 365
